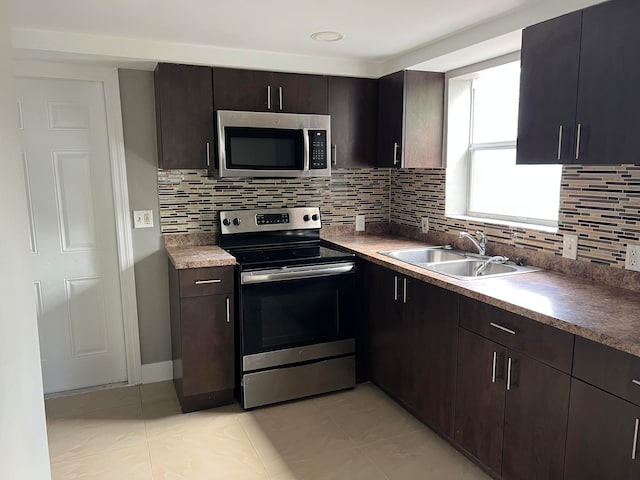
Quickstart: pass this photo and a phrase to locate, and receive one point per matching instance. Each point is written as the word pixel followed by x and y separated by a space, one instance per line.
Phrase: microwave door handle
pixel 305 134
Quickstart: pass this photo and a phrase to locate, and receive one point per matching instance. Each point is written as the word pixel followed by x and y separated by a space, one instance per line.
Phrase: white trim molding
pixel 109 79
pixel 157 372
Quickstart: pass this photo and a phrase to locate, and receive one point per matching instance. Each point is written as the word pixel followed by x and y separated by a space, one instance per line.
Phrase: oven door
pixel 284 309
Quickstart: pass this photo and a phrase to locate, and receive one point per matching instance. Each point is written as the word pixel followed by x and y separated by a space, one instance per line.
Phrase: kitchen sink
pixel 456 263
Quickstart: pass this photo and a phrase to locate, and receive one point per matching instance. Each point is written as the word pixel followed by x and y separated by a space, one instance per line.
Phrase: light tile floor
pixel 139 433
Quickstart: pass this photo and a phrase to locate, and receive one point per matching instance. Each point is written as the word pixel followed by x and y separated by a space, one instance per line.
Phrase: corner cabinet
pixel 184 116
pixel 260 91
pixel 579 95
pixel 412 338
pixel 353 106
pixel 202 336
pixel 410 119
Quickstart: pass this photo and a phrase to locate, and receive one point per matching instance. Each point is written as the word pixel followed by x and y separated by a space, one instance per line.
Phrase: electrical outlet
pixel 143 218
pixel 632 261
pixel 570 246
pixel 359 223
pixel 424 224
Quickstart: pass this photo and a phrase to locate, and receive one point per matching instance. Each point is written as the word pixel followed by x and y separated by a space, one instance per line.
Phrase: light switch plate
pixel 143 218
pixel 359 223
pixel 424 224
pixel 570 246
pixel 632 261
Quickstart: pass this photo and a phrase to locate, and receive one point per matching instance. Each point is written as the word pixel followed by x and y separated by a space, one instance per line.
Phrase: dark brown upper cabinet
pixel 184 116
pixel 600 44
pixel 260 91
pixel 410 119
pixel 353 106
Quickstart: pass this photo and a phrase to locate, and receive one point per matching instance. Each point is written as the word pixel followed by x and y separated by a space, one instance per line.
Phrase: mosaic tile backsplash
pixel 599 204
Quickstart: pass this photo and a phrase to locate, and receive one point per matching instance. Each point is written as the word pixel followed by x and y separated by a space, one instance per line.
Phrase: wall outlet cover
pixel 143 218
pixel 424 224
pixel 570 246
pixel 359 223
pixel 632 261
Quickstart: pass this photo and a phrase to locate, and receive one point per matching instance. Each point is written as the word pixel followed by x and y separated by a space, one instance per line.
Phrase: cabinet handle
pixel 228 310
pixel 504 329
pixel 205 282
pixel 636 382
pixel 208 155
pixel 395 287
pixel 395 153
pixel 635 440
pixel 578 141
pixel 280 97
pixel 560 142
pixel 268 97
pixel 509 374
pixel 493 369
pixel 334 161
pixel 404 290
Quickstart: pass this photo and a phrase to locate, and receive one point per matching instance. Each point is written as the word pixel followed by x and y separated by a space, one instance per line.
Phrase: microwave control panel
pixel 317 149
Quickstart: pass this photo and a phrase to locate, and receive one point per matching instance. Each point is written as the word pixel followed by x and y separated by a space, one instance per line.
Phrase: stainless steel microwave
pixel 261 144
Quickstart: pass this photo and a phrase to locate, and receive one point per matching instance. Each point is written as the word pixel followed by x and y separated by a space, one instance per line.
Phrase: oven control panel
pixel 273 219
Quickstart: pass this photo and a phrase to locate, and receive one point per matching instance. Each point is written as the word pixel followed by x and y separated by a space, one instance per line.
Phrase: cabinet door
pixel 387 350
pixel 184 116
pixel 390 116
pixel 535 422
pixel 207 344
pixel 296 93
pixel 432 318
pixel 600 440
pixel 246 90
pixel 353 106
pixel 480 398
pixel 608 96
pixel 548 91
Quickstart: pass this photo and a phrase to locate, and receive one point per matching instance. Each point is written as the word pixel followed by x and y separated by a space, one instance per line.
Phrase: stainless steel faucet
pixel 486 263
pixel 479 241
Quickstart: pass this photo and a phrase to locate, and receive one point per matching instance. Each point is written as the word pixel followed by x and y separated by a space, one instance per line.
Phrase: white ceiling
pixel 378 33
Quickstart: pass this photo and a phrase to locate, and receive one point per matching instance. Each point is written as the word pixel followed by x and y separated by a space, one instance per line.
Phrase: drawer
pixel 542 342
pixel 607 368
pixel 195 282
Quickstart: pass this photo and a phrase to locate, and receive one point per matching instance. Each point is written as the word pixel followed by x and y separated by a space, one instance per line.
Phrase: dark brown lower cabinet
pixel 412 344
pixel 511 410
pixel 602 440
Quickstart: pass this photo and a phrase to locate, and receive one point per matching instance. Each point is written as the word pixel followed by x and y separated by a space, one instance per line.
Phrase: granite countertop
pixel 199 256
pixel 601 313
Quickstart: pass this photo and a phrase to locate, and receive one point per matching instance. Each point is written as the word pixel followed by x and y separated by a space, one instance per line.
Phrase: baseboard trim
pixel 157 372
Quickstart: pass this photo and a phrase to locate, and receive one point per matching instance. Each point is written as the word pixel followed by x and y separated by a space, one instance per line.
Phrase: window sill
pixel 507 223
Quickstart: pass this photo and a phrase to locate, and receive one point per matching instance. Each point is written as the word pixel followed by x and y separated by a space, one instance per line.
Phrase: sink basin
pixel 455 263
pixel 420 256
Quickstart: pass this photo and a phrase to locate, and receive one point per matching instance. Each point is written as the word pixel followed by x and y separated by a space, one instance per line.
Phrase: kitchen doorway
pixel 80 233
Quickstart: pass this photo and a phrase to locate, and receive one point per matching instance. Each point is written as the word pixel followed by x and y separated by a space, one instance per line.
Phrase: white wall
pixel 24 452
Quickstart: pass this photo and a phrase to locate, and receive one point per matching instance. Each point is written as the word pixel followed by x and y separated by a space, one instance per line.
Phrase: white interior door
pixel 73 234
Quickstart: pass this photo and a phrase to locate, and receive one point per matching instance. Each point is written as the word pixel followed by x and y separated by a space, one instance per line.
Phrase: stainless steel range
pixel 296 305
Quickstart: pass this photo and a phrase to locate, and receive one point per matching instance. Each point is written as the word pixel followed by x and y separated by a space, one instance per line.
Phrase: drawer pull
pixel 493 370
pixel 635 440
pixel 509 374
pixel 206 282
pixel 228 310
pixel 395 288
pixel 504 329
pixel 636 382
pixel 404 290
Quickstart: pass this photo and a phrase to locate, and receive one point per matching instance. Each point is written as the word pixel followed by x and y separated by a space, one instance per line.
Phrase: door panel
pixel 73 233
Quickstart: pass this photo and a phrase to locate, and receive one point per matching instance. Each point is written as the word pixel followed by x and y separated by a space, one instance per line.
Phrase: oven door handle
pixel 296 273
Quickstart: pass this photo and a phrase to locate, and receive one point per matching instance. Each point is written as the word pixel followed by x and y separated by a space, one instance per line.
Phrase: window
pixel 483 180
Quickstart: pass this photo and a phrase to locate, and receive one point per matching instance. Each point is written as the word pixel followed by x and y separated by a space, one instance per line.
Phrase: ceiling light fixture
pixel 327 36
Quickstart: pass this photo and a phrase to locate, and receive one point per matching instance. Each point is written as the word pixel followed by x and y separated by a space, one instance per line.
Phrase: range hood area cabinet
pixel 579 91
pixel 410 119
pixel 184 116
pixel 259 91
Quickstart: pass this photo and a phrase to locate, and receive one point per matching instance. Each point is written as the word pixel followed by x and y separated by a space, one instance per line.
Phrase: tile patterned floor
pixel 139 433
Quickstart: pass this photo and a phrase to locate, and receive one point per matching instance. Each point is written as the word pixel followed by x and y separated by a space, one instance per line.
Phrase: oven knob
pixel 226 222
pixel 306 218
pixel 315 217
pixel 236 221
